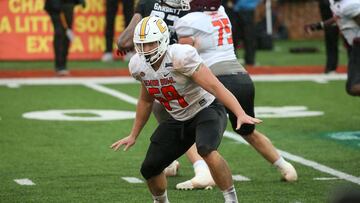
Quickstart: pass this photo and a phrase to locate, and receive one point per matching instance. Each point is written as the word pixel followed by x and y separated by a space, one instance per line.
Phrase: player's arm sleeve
pixel 186 60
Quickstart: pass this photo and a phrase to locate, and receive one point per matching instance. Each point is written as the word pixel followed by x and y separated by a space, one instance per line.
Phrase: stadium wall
pixel 26 32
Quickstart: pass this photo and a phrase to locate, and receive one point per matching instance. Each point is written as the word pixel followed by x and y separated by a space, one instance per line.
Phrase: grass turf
pixel 70 161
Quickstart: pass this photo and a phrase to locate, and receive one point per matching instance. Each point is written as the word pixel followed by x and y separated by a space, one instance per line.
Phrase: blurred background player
pixel 196 116
pixel 244 28
pixel 61 13
pixel 208 29
pixel 347 16
pixel 168 10
pixel 111 11
pixel 331 34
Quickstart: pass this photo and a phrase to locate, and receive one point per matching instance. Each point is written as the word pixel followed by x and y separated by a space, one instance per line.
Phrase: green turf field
pixel 70 161
pixel 280 56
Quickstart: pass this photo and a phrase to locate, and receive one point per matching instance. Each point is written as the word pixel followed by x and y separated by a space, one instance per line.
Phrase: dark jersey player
pixel 168 10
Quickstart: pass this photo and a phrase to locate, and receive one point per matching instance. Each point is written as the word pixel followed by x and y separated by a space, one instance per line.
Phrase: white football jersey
pixel 346 10
pixel 171 84
pixel 213 30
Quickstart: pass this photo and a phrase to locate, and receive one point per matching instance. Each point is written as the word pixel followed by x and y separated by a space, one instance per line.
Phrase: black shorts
pixel 243 89
pixel 173 138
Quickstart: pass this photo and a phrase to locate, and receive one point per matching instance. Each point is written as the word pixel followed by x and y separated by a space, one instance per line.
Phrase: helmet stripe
pixel 143 28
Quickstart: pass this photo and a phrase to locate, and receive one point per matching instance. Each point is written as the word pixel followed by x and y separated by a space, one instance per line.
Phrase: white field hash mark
pixel 132 179
pixel 240 178
pixel 24 181
pixel 326 178
pixel 285 154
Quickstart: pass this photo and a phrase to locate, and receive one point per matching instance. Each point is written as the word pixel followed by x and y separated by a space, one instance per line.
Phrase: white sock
pixel 280 162
pixel 200 164
pixel 230 195
pixel 161 198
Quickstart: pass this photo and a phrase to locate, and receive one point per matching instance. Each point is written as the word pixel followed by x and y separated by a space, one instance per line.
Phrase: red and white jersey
pixel 212 30
pixel 346 10
pixel 171 84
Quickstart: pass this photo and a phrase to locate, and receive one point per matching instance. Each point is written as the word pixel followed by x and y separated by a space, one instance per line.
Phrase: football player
pixel 208 29
pixel 176 77
pixel 169 11
pixel 347 17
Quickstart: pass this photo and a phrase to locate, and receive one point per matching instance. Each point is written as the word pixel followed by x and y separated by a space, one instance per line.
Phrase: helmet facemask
pixel 151 56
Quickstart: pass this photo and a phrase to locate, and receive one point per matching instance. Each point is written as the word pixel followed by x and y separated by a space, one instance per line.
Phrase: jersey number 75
pixel 224 30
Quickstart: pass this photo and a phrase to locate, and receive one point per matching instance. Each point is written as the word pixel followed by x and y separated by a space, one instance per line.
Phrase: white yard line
pixel 320 167
pixel 114 93
pixel 285 154
pixel 302 161
pixel 319 78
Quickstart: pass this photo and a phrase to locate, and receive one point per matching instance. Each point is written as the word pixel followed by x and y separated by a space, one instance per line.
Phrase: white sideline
pixel 67 81
pixel 318 78
pixel 237 138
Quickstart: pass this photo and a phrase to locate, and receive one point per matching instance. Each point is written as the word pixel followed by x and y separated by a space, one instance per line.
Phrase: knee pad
pixel 149 170
pixel 204 150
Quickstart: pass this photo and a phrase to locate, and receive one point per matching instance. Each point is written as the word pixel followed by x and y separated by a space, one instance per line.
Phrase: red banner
pixel 26 31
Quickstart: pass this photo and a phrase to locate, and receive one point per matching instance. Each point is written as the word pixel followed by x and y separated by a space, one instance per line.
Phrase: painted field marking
pixel 24 181
pixel 129 80
pixel 302 161
pixel 298 159
pixel 240 178
pixel 349 135
pixel 132 179
pixel 93 115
